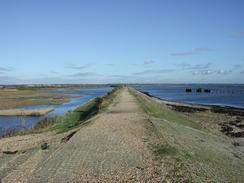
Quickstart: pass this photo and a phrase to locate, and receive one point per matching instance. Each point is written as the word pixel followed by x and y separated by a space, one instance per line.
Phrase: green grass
pixel 158 111
pixel 165 150
pixel 70 120
pixel 48 122
pixel 77 116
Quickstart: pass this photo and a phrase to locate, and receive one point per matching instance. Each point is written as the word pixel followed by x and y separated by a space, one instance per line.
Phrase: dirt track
pixel 113 147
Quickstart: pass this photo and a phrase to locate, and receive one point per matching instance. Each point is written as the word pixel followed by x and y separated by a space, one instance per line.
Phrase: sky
pixel 122 41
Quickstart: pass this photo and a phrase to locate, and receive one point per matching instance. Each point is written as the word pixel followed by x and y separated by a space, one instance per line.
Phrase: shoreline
pixel 26 112
pixel 190 107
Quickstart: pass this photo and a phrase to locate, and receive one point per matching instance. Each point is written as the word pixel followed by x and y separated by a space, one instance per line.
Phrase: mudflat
pixel 25 112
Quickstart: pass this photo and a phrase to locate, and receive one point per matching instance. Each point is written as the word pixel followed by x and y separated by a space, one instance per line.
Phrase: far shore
pixel 25 112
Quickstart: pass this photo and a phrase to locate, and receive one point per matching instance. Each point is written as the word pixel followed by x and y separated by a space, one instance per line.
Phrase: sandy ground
pixel 113 147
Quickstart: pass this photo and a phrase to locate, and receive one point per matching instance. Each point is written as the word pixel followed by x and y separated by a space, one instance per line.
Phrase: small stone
pixel 236 144
pixel 44 146
pixel 10 152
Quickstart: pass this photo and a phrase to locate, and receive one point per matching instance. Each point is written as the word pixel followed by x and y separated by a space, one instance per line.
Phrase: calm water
pixel 82 96
pixel 221 94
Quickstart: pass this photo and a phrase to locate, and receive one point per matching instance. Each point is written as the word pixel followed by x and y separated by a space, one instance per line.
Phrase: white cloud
pixel 210 72
pixel 237 35
pixel 5 69
pixel 195 51
pixel 187 66
pixel 148 62
pixel 78 67
pixel 159 71
pixel 85 74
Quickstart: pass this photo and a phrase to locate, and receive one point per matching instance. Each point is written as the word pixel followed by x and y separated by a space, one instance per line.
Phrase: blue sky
pixel 145 41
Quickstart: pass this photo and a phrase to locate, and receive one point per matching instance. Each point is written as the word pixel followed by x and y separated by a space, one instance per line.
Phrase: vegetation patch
pixel 47 122
pixel 188 155
pixel 157 110
pixel 79 115
pixel 165 150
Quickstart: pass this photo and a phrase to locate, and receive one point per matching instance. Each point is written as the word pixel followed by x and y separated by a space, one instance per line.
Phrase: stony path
pixel 112 148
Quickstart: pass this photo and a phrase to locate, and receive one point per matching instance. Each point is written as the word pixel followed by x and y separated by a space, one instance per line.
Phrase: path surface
pixel 112 148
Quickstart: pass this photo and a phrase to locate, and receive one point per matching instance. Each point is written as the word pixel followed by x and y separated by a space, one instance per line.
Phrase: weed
pixel 79 115
pixel 165 150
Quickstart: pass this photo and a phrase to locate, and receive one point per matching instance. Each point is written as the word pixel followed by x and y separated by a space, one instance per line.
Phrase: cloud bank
pixel 237 35
pixel 77 67
pixel 5 69
pixel 195 51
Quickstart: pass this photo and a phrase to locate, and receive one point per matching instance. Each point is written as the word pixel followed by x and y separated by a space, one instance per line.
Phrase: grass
pixel 159 111
pixel 71 120
pixel 45 123
pixel 75 117
pixel 165 150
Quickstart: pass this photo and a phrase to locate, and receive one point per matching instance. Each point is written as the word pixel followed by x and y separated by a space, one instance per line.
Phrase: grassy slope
pixel 211 157
pixel 80 114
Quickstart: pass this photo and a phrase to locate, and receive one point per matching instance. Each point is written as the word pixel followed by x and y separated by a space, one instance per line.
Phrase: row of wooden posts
pixel 198 90
pixel 220 91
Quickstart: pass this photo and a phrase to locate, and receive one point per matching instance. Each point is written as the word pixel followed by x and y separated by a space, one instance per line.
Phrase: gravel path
pixel 114 147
